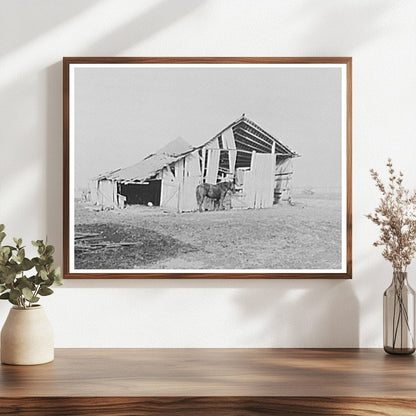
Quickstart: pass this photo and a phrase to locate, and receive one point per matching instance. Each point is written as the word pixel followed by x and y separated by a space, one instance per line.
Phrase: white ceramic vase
pixel 27 337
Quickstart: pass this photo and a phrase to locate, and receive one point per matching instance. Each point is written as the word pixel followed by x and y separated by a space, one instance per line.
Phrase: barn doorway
pixel 142 193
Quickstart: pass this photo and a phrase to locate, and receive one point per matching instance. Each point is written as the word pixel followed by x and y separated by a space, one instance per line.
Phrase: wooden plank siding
pixel 229 144
pixel 283 178
pixel 170 190
pixel 191 179
pixel 258 187
pixel 107 193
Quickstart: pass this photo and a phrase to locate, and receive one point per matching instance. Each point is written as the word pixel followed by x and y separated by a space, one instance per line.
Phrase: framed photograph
pixel 207 168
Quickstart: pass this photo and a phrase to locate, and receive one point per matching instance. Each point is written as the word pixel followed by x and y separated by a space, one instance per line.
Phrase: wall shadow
pixel 54 146
pixel 36 17
pixel 302 314
pixel 335 18
pixel 157 18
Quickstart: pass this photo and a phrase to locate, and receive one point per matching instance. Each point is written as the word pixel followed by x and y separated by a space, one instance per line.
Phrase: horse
pixel 216 192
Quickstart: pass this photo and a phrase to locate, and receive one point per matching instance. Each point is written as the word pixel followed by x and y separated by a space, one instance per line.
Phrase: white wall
pixel 380 35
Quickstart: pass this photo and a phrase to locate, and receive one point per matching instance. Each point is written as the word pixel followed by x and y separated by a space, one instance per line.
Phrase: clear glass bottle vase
pixel 399 316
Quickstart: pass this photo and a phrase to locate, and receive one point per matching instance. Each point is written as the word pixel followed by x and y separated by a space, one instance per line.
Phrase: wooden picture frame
pixel 298 222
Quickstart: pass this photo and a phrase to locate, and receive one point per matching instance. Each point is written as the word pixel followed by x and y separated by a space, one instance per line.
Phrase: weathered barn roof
pixel 151 164
pixel 175 147
pixel 248 136
pixel 249 133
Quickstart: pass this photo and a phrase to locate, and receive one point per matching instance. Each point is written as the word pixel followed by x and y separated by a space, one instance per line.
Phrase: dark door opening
pixel 142 193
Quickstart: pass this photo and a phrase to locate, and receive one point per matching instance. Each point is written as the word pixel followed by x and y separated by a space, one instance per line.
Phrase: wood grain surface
pixel 208 406
pixel 212 381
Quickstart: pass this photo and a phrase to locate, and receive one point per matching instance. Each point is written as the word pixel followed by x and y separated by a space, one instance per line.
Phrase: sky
pixel 123 114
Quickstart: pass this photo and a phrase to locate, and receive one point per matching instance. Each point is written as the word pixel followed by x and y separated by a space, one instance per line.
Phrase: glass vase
pixel 399 316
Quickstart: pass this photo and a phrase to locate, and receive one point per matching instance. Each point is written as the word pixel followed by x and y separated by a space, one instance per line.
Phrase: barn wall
pixel 93 191
pixel 179 187
pixel 107 193
pixel 379 34
pixel 283 179
pixel 213 161
pixel 170 190
pixel 228 143
pixel 257 190
pixel 191 179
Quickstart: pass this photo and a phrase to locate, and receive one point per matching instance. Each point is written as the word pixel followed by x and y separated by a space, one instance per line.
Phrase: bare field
pixel 304 236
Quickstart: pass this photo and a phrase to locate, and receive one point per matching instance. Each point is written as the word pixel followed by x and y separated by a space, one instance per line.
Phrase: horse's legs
pixel 221 201
pixel 201 204
pixel 199 199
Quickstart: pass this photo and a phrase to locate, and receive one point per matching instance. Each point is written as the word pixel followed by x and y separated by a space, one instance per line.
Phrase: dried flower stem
pixel 396 217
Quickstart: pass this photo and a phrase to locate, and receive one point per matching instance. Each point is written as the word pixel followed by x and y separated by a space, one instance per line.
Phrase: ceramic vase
pixel 27 337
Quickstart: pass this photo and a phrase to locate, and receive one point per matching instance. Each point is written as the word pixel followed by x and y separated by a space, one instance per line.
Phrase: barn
pixel 260 164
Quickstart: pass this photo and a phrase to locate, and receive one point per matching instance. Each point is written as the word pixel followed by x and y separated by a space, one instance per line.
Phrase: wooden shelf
pixel 212 382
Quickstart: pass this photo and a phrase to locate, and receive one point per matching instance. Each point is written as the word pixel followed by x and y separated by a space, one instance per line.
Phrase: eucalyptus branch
pixel 16 284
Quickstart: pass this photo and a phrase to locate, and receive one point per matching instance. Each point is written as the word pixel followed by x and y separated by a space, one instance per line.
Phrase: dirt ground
pixel 304 236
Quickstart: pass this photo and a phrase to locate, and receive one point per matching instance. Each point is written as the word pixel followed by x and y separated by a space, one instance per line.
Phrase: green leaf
pixel 13 302
pixel 2 236
pixel 17 241
pixel 7 296
pixel 15 293
pixel 48 260
pixel 2 227
pixel 43 274
pixel 49 250
pixel 58 280
pixel 26 264
pixel 56 272
pixel 5 250
pixel 4 256
pixel 27 293
pixel 21 255
pixel 45 291
pixel 9 277
pixel 24 282
pixel 2 288
pixel 11 248
pixel 37 243
pixel 48 282
pixel 38 280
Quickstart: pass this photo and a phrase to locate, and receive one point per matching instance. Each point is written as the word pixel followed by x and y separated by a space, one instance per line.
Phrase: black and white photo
pixel 207 168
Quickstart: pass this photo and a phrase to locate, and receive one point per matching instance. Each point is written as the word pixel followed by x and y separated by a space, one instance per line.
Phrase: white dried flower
pixel 396 217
